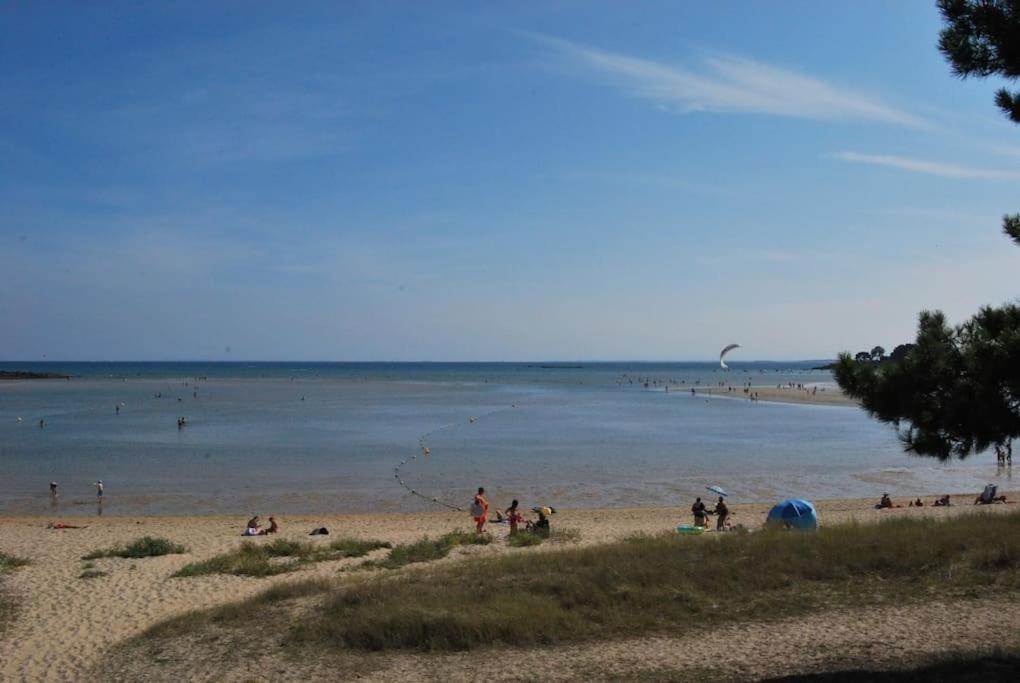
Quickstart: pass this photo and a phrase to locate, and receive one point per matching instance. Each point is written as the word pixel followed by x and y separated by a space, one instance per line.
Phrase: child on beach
pixel 514 516
pixel 480 510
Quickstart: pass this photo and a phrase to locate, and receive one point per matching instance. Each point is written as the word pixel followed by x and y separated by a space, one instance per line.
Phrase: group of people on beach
pixel 701 513
pixel 255 528
pixel 986 497
pixel 511 516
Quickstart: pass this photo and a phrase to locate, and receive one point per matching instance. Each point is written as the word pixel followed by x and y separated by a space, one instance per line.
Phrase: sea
pixel 276 437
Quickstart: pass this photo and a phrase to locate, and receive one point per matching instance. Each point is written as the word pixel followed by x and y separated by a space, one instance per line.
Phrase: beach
pixel 65 625
pixel 827 394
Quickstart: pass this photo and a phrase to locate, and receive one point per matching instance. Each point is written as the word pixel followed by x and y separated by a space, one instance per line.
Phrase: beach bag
pixel 476 509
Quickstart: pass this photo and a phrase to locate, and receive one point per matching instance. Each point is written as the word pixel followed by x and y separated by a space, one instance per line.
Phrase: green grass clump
pixel 11 562
pixel 524 539
pixel 255 559
pixel 355 547
pixel 147 546
pixel 429 549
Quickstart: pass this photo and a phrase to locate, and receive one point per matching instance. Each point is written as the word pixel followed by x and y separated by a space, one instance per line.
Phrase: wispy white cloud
pixel 730 84
pixel 935 168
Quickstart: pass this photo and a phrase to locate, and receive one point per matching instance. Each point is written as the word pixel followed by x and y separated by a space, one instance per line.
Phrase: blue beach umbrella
pixel 717 489
pixel 793 513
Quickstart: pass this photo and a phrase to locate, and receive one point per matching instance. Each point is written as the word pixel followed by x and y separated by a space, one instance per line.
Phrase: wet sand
pixel 823 396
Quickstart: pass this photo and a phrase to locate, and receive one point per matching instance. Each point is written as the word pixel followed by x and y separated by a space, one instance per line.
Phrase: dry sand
pixel 65 624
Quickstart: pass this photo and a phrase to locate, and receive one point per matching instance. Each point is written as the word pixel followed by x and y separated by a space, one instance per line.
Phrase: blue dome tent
pixel 793 514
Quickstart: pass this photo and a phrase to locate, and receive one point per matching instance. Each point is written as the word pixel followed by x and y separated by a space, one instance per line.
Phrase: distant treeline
pixel 876 355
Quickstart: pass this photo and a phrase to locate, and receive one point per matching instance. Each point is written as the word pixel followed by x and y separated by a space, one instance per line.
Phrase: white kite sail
pixel 722 354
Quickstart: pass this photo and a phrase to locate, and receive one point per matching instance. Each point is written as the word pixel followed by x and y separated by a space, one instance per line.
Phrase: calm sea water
pixel 327 437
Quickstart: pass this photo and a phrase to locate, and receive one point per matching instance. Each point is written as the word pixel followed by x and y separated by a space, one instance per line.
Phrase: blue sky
pixel 503 181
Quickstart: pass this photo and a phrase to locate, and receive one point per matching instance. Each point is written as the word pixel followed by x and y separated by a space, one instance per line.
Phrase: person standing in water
pixel 480 510
pixel 99 490
pixel 53 489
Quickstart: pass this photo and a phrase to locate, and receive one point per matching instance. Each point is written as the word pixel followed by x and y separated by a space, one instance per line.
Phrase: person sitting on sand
pixel 942 502
pixel 480 510
pixel 253 527
pixel 700 513
pixel 540 527
pixel 273 526
pixel 514 516
pixel 919 503
pixel 722 514
pixel 987 497
pixel 885 502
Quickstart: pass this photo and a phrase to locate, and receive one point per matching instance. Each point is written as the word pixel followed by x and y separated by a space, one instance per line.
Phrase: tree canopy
pixel 956 390
pixel 982 38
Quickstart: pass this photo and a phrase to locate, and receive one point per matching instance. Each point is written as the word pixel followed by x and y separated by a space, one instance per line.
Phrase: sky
pixel 491 181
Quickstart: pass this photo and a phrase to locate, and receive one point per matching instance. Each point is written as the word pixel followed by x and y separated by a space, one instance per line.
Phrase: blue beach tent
pixel 793 514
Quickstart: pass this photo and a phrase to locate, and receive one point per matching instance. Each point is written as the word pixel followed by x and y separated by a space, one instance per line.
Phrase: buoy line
pixel 426 452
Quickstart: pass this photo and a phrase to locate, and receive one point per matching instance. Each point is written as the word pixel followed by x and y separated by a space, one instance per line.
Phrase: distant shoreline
pixel 19 374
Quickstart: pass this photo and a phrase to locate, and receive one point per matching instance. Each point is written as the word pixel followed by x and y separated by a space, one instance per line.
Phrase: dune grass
pixel 258 559
pixel 428 549
pixel 643 585
pixel 668 583
pixel 526 539
pixel 8 563
pixel 147 546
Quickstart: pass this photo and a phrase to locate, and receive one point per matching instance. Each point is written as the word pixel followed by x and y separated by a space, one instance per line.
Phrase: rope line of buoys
pixel 426 452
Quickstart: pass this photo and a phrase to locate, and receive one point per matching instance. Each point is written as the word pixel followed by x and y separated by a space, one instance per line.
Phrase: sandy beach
pixel 65 624
pixel 827 395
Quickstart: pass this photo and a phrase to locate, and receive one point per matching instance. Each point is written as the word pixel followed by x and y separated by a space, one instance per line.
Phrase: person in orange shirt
pixel 480 510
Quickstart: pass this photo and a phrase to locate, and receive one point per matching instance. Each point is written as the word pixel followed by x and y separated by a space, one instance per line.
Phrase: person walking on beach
pixel 700 513
pixel 480 510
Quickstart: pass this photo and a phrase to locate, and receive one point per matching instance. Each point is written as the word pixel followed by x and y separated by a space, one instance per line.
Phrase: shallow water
pixel 326 438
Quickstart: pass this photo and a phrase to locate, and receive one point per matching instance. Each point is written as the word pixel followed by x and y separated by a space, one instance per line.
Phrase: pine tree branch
pixel 1011 226
pixel 1009 103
